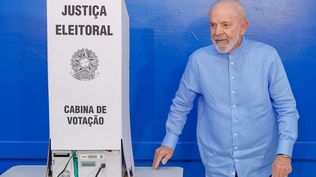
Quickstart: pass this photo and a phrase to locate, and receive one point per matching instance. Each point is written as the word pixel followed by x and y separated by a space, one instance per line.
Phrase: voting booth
pixel 88 72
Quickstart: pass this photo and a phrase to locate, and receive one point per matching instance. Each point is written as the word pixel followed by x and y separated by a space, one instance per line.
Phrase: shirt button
pixel 235 134
pixel 233 173
pixel 231 63
pixel 236 160
pixel 233 92
pixel 234 105
pixel 236 147
pixel 233 77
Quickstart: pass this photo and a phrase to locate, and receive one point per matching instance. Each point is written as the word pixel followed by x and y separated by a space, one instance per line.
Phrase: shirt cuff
pixel 170 140
pixel 285 147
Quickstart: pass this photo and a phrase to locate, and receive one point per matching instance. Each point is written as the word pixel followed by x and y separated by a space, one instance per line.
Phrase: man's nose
pixel 218 30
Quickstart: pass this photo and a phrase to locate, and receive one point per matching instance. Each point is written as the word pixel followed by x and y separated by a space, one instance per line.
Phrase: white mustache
pixel 220 38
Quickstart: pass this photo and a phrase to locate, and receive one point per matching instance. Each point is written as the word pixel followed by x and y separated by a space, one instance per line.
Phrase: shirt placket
pixel 233 80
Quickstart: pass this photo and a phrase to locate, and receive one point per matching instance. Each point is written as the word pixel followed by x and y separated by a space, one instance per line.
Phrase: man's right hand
pixel 163 154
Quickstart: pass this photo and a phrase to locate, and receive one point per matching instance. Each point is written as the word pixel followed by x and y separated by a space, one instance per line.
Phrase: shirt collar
pixel 239 50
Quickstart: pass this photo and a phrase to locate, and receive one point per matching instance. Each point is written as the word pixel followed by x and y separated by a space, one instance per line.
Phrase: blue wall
pixel 163 34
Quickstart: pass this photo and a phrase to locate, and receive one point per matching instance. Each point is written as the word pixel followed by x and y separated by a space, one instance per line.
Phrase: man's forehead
pixel 222 15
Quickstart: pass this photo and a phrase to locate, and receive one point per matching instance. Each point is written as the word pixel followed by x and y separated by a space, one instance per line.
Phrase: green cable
pixel 75 161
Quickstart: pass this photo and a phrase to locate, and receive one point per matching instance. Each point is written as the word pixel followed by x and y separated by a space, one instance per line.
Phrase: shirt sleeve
pixel 284 105
pixel 182 104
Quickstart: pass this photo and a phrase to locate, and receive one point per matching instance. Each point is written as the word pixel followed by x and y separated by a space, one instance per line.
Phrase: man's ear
pixel 244 27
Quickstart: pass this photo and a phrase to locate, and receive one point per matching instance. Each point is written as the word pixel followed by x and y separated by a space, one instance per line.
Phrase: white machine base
pixel 105 163
pixel 40 171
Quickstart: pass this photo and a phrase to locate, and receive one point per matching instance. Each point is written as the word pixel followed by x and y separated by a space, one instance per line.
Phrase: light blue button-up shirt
pixel 246 110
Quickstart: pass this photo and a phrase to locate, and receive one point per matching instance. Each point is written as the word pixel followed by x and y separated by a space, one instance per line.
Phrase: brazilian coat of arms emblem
pixel 84 64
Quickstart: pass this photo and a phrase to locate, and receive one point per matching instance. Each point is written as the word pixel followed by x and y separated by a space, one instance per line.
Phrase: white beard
pixel 231 44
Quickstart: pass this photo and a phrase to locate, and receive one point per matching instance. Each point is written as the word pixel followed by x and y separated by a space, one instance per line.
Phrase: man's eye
pixel 226 25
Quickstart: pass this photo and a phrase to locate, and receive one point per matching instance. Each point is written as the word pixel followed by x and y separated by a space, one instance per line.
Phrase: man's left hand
pixel 281 166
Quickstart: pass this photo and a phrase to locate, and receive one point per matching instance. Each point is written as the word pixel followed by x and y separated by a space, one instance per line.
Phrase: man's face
pixel 227 28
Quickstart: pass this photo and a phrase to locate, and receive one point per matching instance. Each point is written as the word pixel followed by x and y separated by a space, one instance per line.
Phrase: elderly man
pixel 247 116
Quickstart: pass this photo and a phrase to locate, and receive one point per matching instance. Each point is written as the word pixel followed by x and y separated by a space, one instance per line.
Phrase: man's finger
pixel 286 171
pixel 166 158
pixel 156 163
pixel 278 173
pixel 275 172
pixel 282 173
pixel 290 170
pixel 158 156
pixel 155 157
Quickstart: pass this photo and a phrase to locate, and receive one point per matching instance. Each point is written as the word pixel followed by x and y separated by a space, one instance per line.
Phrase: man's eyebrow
pixel 225 22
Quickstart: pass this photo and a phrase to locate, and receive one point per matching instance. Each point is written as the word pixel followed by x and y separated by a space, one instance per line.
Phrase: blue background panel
pixel 163 34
